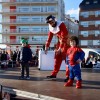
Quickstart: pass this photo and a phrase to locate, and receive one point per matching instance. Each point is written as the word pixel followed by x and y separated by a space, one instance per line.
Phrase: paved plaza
pixel 40 88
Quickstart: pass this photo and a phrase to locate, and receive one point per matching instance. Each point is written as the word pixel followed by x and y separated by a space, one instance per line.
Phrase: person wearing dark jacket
pixel 3 56
pixel 25 58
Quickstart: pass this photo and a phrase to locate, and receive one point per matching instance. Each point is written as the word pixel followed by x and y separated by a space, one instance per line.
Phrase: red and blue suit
pixel 74 54
pixel 62 34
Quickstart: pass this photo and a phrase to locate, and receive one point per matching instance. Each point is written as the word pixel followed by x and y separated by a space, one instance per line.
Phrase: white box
pixel 46 61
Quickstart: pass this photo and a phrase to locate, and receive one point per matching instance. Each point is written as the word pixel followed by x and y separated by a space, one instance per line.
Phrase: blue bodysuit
pixel 73 54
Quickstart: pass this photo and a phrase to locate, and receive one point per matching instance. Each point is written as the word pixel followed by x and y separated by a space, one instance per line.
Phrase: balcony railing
pixel 25 12
pixel 21 31
pixel 42 1
pixel 30 41
pixel 23 21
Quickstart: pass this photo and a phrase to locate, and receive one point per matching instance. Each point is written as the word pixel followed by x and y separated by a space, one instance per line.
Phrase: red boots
pixel 78 84
pixel 69 83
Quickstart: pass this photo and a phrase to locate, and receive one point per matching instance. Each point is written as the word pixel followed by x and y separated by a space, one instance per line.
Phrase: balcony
pixel 26 32
pixel 25 21
pixel 29 1
pixel 18 11
pixel 18 41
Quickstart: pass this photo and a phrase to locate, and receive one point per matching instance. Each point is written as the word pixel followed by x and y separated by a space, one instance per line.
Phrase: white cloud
pixel 72 12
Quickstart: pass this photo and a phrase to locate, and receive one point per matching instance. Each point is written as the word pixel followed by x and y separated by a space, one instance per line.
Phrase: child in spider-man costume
pixel 74 56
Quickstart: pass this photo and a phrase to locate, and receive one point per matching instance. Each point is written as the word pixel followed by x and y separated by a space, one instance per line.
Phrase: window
pixel 43 18
pixel 23 0
pixel 90 42
pixel 36 9
pixel 24 29
pixel 84 33
pixel 97 33
pixel 85 14
pixel 94 54
pixel 24 9
pixel 95 1
pixel 91 22
pixel 84 24
pixel 18 38
pixel 35 0
pixel 96 13
pixel 87 2
pixel 91 32
pixel 32 38
pixel 36 29
pixel 39 29
pixel 23 18
pixel 40 38
pixel 51 8
pixel 36 18
pixel 84 42
pixel 97 23
pixel 44 9
pixel 73 31
pixel 44 29
pixel 91 12
pixel 96 42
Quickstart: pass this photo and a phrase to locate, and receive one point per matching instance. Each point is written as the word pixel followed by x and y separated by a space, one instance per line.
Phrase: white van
pixel 95 53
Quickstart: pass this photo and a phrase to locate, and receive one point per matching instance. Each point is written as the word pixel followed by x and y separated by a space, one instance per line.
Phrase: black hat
pixel 50 18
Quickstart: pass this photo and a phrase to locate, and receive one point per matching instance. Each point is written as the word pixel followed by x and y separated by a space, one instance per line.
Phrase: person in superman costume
pixel 74 56
pixel 59 29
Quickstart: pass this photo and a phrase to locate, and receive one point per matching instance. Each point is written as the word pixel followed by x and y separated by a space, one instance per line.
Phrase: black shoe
pixel 27 78
pixel 67 78
pixel 51 76
pixel 21 78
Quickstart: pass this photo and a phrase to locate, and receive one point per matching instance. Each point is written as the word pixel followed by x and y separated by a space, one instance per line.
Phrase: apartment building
pixel 89 23
pixel 72 25
pixel 26 19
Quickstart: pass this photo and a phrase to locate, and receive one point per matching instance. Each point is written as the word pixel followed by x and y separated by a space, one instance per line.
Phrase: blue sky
pixel 72 7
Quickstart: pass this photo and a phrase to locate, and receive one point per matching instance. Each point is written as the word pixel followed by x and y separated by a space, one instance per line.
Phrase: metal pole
pixel 0 92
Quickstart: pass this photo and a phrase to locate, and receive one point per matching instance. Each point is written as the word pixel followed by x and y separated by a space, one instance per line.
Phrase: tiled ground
pixel 53 88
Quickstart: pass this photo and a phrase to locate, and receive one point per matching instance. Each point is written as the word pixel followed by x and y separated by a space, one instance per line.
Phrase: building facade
pixel 89 23
pixel 26 19
pixel 72 25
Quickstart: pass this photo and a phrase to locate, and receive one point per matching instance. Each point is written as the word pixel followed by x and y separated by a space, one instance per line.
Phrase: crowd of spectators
pixel 9 59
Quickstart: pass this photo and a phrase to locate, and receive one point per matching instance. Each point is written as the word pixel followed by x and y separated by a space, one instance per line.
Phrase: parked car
pixel 92 58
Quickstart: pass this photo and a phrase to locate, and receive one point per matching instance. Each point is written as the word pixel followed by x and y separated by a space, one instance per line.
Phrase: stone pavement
pixel 40 88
